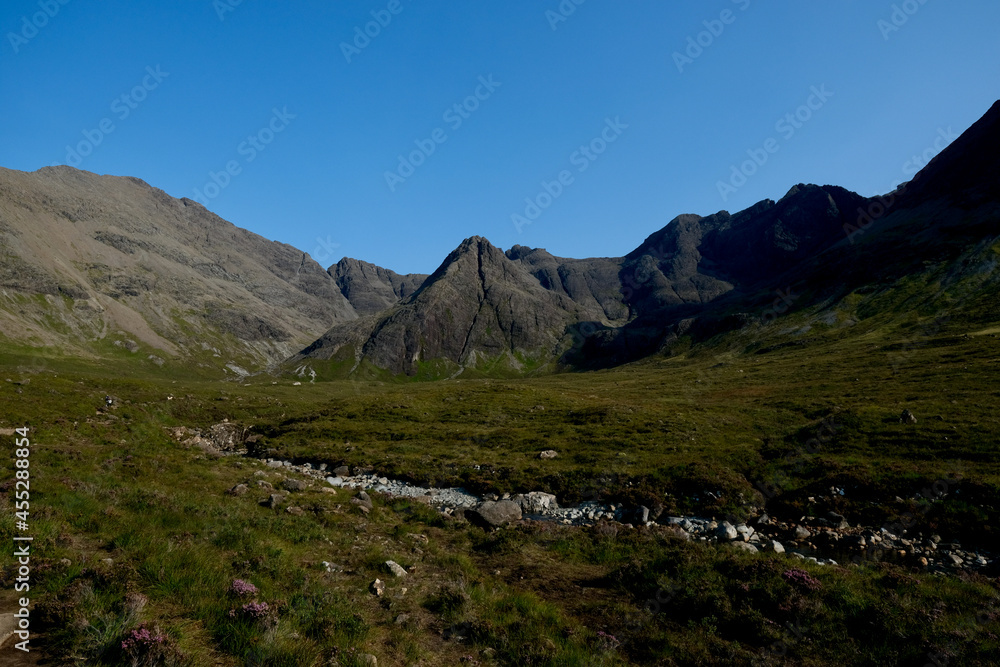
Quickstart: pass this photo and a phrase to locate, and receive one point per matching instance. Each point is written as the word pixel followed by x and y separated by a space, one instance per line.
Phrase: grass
pixel 134 530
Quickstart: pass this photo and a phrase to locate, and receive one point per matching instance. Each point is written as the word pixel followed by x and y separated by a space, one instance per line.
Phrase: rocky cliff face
pixel 478 309
pixel 371 289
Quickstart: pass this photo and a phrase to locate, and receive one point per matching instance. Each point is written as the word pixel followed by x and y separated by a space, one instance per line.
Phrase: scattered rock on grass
pixel 273 500
pixel 294 485
pixel 494 513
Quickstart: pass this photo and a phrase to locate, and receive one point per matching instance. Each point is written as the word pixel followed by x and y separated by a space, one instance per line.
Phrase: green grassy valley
pixel 134 530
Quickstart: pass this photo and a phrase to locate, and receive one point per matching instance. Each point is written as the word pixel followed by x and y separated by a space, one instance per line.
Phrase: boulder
pixel 273 500
pixel 294 485
pixel 775 546
pixel 907 417
pixel 726 532
pixel 238 490
pixel 536 502
pixel 548 454
pixel 494 513
pixel 395 568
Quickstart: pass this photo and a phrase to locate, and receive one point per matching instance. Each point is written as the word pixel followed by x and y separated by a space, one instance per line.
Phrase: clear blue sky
pixel 323 175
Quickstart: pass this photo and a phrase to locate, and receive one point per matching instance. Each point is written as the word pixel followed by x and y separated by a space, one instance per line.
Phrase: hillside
pixel 89 260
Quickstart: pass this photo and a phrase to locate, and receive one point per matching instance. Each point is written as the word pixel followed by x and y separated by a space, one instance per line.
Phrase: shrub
pixel 242 589
pixel 801 579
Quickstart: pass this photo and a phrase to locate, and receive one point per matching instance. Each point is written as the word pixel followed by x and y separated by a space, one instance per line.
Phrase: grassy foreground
pixel 137 545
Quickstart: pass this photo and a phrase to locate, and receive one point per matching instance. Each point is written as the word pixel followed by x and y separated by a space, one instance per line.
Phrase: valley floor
pixel 150 548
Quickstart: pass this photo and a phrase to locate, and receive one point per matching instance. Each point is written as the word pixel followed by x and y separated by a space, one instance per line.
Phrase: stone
pixel 342 471
pixel 802 533
pixel 745 532
pixel 335 481
pixel 294 485
pixel 548 454
pixel 775 546
pixel 907 417
pixel 297 511
pixel 725 532
pixel 395 568
pixel 955 560
pixel 639 515
pixel 377 588
pixel 238 490
pixel 273 500
pixel 838 521
pixel 364 501
pixel 367 659
pixel 745 546
pixel 536 502
pixel 494 513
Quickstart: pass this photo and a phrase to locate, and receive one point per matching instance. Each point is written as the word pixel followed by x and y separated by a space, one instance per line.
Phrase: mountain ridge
pixel 113 257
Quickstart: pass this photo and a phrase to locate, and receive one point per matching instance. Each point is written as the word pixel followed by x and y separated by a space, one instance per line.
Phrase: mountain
pixel 479 309
pixel 526 308
pixel 88 259
pixel 817 248
pixel 371 289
